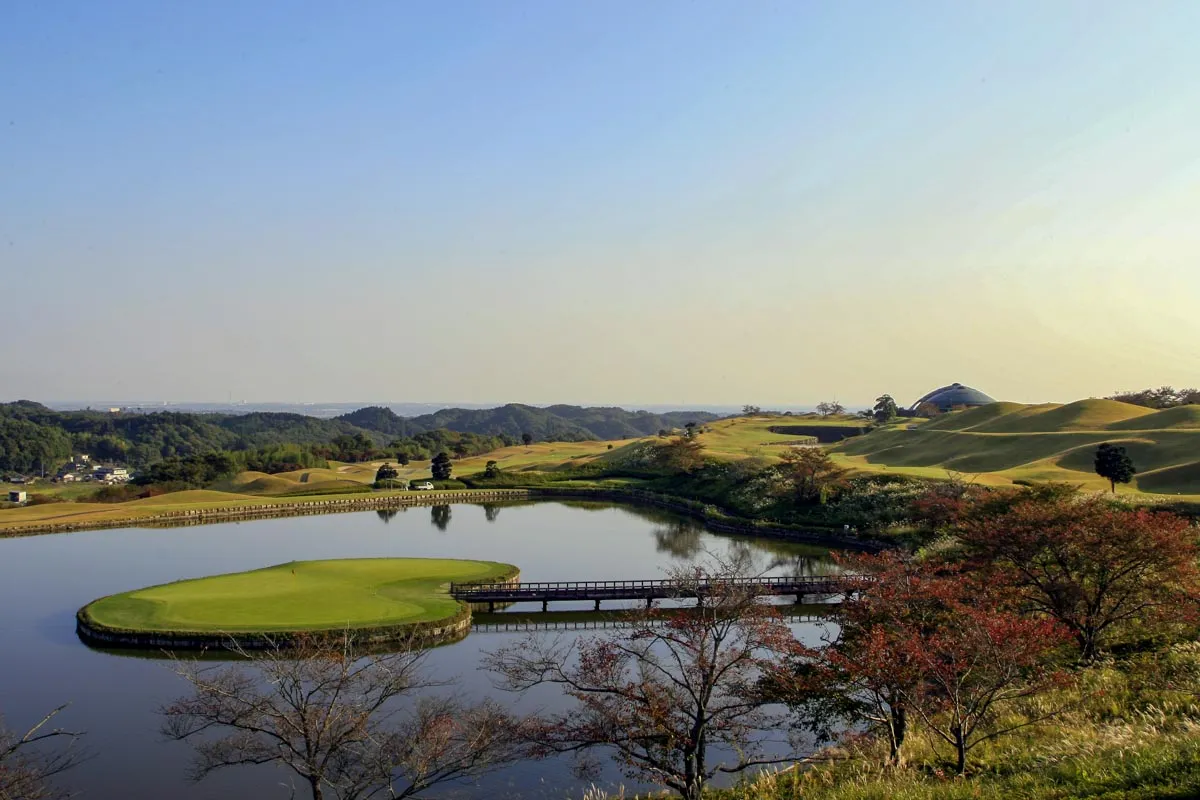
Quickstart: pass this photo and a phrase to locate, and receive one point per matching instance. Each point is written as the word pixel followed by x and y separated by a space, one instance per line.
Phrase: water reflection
pixel 680 538
pixel 439 516
pixel 45 579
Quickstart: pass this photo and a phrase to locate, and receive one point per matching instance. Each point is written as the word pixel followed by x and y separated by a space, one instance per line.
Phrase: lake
pixel 114 697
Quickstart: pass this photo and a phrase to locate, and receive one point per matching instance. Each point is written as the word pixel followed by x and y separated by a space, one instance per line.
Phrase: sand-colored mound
pixel 1180 417
pixel 314 475
pixel 189 496
pixel 972 417
pixel 1082 415
pixel 267 484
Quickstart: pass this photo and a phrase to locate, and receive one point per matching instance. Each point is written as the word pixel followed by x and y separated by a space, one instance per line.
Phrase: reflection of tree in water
pixel 386 514
pixel 800 564
pixel 688 540
pixel 680 538
pixel 491 511
pixel 440 516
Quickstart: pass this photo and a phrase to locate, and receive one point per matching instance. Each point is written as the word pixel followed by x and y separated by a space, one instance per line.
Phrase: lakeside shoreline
pixel 251 510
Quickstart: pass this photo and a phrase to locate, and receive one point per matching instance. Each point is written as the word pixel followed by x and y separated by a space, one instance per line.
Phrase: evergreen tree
pixel 1113 463
pixel 441 467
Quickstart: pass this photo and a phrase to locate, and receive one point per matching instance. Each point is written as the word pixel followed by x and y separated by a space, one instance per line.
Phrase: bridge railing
pixel 664 584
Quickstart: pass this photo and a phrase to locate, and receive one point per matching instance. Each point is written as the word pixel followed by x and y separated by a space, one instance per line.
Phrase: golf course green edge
pixel 414 607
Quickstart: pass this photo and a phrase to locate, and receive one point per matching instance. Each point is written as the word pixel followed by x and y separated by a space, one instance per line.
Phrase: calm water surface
pixel 114 698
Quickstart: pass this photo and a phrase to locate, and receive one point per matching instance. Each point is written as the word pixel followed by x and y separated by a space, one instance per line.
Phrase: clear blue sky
pixel 664 202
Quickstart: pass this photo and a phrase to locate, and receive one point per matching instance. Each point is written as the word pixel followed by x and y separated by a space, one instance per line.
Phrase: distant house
pixel 68 477
pixel 18 480
pixel 17 497
pixel 82 458
pixel 114 410
pixel 111 474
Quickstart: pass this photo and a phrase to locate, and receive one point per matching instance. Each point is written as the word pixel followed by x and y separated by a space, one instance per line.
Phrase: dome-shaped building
pixel 948 398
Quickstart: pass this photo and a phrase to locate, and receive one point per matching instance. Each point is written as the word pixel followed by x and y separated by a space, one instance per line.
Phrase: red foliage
pixel 1092 567
pixel 921 639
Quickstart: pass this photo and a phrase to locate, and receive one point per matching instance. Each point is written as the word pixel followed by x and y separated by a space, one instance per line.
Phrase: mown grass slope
pixel 1003 442
pixel 299 596
pixel 743 437
pixel 1181 417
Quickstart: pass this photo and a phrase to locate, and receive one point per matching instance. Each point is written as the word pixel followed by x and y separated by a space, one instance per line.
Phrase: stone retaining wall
pixel 442 631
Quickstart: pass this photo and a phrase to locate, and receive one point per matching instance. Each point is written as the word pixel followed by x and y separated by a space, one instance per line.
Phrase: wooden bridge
pixel 648 590
pixel 509 622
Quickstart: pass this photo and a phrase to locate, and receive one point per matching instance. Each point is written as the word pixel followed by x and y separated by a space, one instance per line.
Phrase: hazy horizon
pixel 691 203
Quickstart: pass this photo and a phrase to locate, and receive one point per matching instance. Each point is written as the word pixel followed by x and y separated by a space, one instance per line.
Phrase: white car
pixel 425 485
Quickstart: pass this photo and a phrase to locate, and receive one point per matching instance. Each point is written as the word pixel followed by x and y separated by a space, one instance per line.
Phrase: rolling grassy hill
pixel 1003 442
pixel 764 436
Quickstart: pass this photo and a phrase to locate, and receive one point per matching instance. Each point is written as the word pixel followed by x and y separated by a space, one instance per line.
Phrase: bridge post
pixel 491 606
pixel 597 605
pixel 545 605
pixel 649 602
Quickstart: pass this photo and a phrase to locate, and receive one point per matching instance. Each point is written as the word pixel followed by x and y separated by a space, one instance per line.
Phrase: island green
pixel 299 596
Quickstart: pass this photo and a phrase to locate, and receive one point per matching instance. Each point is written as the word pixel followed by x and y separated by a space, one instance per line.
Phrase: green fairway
pixel 742 437
pixel 299 596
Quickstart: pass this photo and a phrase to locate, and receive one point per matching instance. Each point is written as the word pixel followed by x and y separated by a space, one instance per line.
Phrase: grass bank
pixel 1130 731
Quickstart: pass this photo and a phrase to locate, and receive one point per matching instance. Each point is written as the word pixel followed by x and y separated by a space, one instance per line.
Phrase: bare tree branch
pixel 351 725
pixel 663 694
pixel 29 762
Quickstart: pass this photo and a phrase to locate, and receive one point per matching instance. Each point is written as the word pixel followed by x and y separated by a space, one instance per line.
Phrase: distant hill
pixel 560 423
pixel 1011 441
pixel 33 436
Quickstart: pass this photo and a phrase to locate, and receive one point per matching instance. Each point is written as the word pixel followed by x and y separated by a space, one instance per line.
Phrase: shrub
pixel 43 499
pixel 116 494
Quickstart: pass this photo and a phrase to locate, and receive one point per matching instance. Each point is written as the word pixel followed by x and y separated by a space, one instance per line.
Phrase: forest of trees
pixel 35 438
pixel 1162 397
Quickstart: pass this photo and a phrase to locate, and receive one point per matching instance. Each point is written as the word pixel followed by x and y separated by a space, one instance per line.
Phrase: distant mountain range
pixel 331 410
pixel 553 423
pixel 33 436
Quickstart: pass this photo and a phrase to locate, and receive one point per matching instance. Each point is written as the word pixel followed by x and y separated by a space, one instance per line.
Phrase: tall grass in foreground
pixel 1130 731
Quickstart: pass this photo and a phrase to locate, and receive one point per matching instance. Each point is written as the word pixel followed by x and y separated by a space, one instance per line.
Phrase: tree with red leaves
pixel 1092 567
pixel 919 640
pixel 978 659
pixel 864 674
pixel 667 692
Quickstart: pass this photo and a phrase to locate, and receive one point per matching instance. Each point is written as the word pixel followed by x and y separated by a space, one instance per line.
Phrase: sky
pixel 598 202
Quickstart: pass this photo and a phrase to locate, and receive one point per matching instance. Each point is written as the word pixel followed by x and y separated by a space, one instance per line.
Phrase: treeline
pixel 560 423
pixel 203 469
pixel 34 437
pixel 1162 397
pixel 421 447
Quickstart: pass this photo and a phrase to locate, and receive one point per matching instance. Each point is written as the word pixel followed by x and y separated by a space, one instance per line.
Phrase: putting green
pixel 299 596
